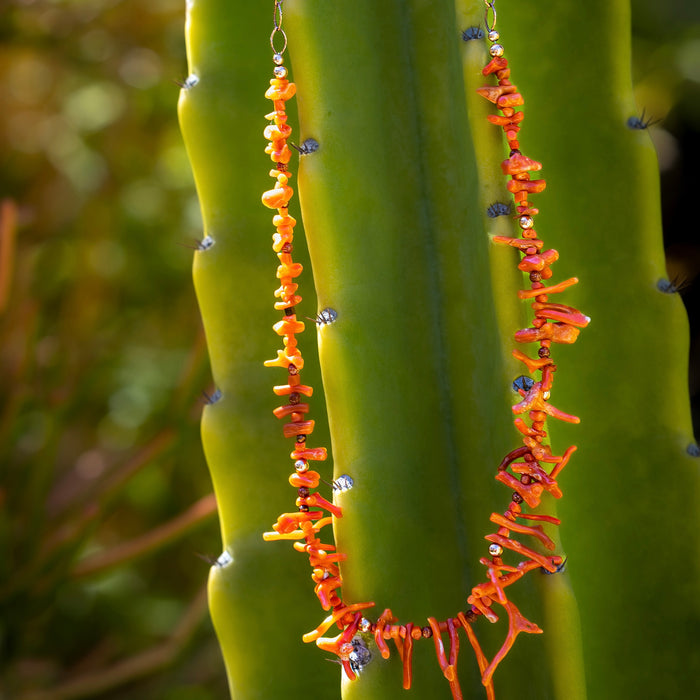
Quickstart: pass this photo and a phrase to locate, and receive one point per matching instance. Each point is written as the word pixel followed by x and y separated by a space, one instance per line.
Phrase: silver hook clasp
pixel 490 7
pixel 277 21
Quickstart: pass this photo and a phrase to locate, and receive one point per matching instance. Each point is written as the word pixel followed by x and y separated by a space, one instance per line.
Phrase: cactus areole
pixel 527 471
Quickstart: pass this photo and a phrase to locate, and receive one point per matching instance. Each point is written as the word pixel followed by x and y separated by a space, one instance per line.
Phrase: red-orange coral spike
pixel 537 262
pixel 519 163
pixel 342 646
pixel 534 531
pixel 557 332
pixel 512 456
pixel 527 186
pixel 308 479
pixel 285 389
pixel 494 65
pixel 287 522
pixel 553 289
pixel 516 624
pixel 407 659
pixel 280 90
pixel 561 312
pixel 316 454
pixel 317 500
pixel 278 197
pixel 480 657
pixel 334 617
pixel 504 121
pixel 531 363
pixel 289 270
pixel 514 99
pixel 493 93
pixel 298 428
pixel 448 666
pixel 287 409
pixel 288 326
pixel 521 549
pixel 562 462
pixel 325 587
pixel 523 245
pixel 384 619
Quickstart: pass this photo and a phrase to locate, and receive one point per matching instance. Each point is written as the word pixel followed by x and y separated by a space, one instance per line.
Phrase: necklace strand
pixel 529 470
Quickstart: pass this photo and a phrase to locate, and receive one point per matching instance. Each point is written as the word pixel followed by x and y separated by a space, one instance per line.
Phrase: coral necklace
pixel 528 471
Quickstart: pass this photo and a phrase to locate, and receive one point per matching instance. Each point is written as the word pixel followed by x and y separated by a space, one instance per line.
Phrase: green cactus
pixel 417 367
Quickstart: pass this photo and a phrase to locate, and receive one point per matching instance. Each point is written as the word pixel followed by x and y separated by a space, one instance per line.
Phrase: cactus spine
pixel 414 368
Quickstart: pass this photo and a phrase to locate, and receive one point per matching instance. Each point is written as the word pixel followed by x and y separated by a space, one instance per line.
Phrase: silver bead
pixel 526 222
pixel 301 465
pixel 280 72
pixel 278 59
pixel 365 625
pixel 494 35
pixel 495 550
pixel 496 50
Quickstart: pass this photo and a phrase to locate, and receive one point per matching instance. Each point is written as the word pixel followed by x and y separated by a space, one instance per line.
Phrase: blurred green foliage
pixel 101 351
pixel 101 354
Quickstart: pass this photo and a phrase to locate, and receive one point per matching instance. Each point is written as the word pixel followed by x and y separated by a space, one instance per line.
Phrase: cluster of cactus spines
pixel 553 323
pixel 607 240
